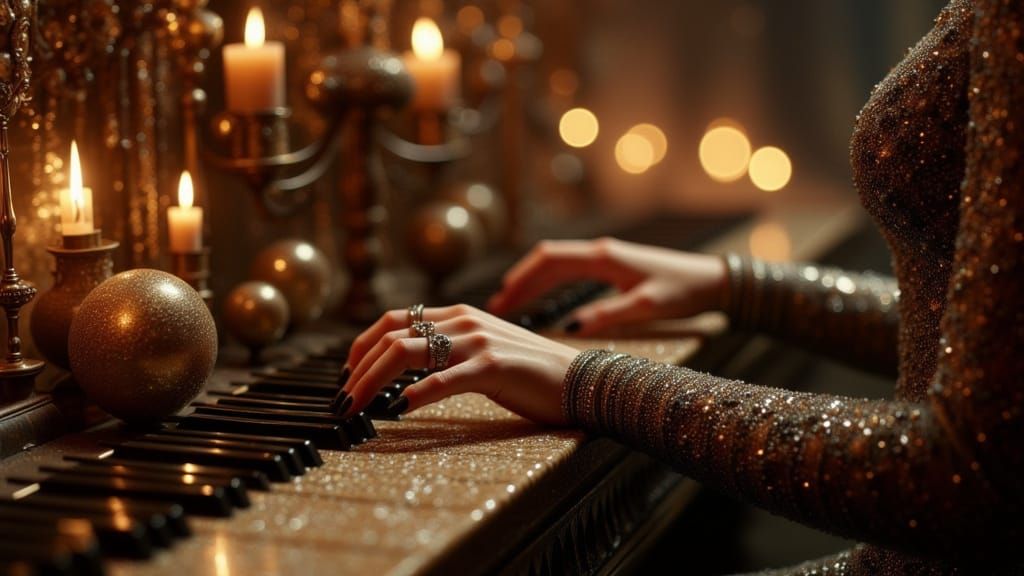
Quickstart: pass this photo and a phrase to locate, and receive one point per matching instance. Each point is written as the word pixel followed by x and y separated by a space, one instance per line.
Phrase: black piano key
pixel 253 479
pixel 260 402
pixel 120 536
pixel 266 462
pixel 359 427
pixel 378 406
pixel 201 499
pixel 288 456
pixel 152 514
pixel 366 425
pixel 327 436
pixel 78 539
pixel 304 448
pixel 294 387
pixel 287 415
pixel 233 487
pixel 246 393
pixel 289 375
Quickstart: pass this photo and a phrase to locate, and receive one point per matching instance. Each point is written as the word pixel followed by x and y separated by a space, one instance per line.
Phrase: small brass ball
pixel 443 237
pixel 142 345
pixel 256 314
pixel 301 272
pixel 485 202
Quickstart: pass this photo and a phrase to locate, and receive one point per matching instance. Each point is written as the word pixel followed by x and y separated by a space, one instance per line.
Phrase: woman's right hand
pixel 653 282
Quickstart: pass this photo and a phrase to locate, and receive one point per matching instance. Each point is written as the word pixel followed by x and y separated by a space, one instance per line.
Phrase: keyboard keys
pixel 269 463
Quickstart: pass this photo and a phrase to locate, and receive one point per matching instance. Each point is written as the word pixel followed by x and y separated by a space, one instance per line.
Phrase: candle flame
pixel 75 183
pixel 186 195
pixel 427 42
pixel 255 31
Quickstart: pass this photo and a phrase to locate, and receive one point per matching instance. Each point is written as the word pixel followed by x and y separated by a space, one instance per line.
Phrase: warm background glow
pixel 770 169
pixel 724 152
pixel 255 31
pixel 427 42
pixel 578 127
pixel 770 241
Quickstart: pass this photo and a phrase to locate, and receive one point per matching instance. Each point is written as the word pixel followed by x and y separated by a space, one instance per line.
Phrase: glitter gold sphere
pixel 301 272
pixel 142 345
pixel 443 237
pixel 256 314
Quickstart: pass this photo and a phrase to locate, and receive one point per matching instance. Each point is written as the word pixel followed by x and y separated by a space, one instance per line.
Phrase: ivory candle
pixel 434 70
pixel 76 201
pixel 185 221
pixel 254 71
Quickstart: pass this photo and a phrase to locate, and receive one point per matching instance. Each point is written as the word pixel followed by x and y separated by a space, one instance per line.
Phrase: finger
pixel 403 354
pixel 373 355
pixel 389 321
pixel 630 307
pixel 461 378
pixel 549 265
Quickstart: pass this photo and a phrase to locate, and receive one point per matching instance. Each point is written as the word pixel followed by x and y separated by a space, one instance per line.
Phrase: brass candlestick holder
pixel 17 373
pixel 83 262
pixel 194 269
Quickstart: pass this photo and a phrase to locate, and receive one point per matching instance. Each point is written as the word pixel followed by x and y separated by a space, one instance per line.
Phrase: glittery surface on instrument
pixel 928 477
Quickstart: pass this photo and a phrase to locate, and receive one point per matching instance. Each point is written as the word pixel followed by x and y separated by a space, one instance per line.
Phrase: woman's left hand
pixel 516 368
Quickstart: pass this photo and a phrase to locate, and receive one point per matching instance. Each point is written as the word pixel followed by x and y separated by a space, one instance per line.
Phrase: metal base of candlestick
pixel 194 269
pixel 17 380
pixel 83 263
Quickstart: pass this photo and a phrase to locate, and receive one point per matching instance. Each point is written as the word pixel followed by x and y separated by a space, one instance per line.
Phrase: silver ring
pixel 439 347
pixel 415 314
pixel 422 329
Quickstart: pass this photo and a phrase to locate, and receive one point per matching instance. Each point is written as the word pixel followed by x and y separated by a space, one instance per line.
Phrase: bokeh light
pixel 655 136
pixel 724 152
pixel 770 168
pixel 770 241
pixel 578 127
pixel 634 153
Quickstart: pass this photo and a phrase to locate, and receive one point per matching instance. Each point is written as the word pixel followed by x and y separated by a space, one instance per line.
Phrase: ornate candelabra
pixel 349 86
pixel 17 373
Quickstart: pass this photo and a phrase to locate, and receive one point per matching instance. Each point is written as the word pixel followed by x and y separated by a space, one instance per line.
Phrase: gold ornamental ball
pixel 301 272
pixel 256 314
pixel 485 202
pixel 443 237
pixel 142 345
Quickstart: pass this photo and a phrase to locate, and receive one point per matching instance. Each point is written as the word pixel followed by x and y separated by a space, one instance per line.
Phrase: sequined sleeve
pixel 937 477
pixel 851 317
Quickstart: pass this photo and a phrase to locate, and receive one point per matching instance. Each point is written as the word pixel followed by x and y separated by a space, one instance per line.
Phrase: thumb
pixel 633 306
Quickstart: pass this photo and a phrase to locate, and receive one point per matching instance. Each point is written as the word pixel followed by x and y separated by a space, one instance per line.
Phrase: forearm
pixel 852 317
pixel 878 471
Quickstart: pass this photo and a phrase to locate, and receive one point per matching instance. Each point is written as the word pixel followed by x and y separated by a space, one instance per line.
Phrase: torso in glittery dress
pixel 929 479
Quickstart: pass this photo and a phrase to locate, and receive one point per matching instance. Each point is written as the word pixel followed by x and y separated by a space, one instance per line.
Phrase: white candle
pixel 254 71
pixel 76 201
pixel 185 221
pixel 434 70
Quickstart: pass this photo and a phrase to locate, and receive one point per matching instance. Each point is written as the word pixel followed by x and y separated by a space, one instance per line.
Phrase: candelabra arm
pixel 450 151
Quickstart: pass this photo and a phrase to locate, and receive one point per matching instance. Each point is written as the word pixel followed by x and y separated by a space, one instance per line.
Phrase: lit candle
pixel 254 71
pixel 434 70
pixel 76 201
pixel 185 221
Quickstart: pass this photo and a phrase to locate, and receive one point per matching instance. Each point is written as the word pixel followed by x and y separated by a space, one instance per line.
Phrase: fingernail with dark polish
pixel 338 399
pixel 398 407
pixel 344 407
pixel 573 327
pixel 343 377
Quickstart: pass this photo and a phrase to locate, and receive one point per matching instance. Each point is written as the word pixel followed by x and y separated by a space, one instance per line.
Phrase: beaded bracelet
pixel 569 384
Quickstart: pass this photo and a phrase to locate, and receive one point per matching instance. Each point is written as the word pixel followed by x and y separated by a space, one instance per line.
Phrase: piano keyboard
pixel 140 494
pixel 263 476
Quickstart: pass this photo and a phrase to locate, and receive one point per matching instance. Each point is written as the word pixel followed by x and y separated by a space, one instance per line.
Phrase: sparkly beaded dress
pixel 929 480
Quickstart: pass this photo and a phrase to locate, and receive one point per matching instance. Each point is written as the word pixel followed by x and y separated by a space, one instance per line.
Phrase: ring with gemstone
pixel 415 314
pixel 439 347
pixel 422 329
